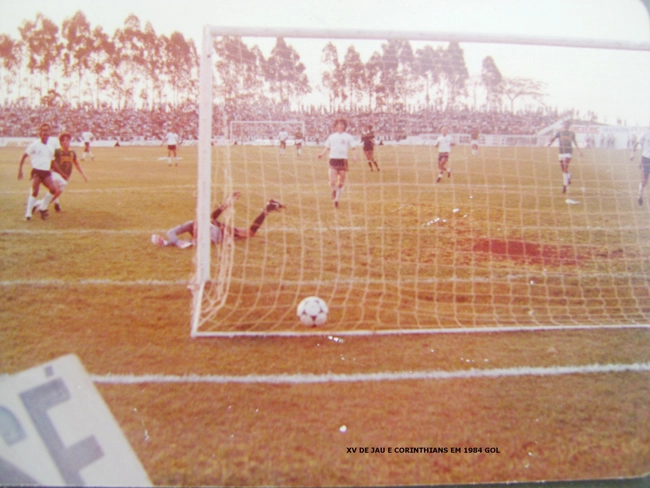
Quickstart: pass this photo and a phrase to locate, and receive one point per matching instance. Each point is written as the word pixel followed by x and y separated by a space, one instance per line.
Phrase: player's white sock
pixel 339 191
pixel 640 189
pixel 474 152
pixel 31 201
pixel 46 202
pixel 565 179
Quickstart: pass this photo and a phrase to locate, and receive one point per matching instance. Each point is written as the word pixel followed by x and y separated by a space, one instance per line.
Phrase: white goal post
pixel 204 271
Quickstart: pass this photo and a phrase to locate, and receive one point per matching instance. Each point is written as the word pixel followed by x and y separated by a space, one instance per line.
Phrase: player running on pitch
pixel 65 159
pixel 644 142
pixel 567 139
pixel 444 144
pixel 368 139
pixel 41 155
pixel 283 135
pixel 338 144
pixel 300 139
pixel 172 139
pixel 217 229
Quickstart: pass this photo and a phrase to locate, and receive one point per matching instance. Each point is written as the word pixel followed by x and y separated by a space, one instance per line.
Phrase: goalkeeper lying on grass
pixel 217 229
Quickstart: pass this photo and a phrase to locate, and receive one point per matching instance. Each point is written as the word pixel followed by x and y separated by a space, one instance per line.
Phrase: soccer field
pixel 489 310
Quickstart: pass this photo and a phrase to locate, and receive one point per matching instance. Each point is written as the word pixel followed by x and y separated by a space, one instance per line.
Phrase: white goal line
pixel 373 377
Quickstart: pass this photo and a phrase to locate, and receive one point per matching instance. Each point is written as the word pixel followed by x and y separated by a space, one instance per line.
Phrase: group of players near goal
pixel 52 167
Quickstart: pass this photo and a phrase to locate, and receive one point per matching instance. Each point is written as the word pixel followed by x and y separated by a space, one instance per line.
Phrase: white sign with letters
pixel 55 429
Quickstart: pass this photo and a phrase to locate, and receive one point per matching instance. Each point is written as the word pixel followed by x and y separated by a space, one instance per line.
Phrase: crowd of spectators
pixel 128 124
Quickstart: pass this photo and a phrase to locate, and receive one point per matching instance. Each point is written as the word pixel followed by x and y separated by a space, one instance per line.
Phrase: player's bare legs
pixel 54 192
pixel 337 180
pixel 370 157
pixel 566 176
pixel 644 181
pixel 442 167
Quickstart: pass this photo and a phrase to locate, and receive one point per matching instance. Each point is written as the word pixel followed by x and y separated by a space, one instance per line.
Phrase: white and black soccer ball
pixel 312 311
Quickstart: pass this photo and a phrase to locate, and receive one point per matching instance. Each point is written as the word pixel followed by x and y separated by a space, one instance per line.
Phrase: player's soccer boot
pixel 57 207
pixel 44 214
pixel 448 174
pixel 274 205
pixel 439 178
pixel 564 189
pixel 640 200
pixel 28 218
pixel 336 204
pixel 157 240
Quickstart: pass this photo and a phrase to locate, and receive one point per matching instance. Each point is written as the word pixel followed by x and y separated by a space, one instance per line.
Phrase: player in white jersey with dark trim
pixel 444 143
pixel 217 229
pixel 338 144
pixel 644 142
pixel 41 155
pixel 87 138
pixel 283 136
pixel 172 140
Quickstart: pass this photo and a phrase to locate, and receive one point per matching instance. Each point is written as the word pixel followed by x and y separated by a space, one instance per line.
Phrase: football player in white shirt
pixel 172 141
pixel 443 144
pixel 86 137
pixel 283 136
pixel 338 144
pixel 41 155
pixel 644 142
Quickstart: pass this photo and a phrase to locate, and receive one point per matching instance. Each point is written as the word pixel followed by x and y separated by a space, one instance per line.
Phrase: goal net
pixel 499 236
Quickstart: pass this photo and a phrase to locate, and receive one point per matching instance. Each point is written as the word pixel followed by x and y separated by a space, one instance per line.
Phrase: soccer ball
pixel 312 311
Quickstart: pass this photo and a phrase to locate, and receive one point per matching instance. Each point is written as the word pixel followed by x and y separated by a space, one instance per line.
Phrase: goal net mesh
pixel 495 243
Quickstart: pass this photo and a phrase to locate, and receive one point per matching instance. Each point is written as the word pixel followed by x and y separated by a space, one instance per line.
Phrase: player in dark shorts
pixel 567 139
pixel 65 159
pixel 368 139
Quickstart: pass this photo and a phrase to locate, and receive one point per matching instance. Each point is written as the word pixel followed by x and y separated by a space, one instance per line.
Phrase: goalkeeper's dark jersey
pixel 368 139
pixel 65 159
pixel 567 139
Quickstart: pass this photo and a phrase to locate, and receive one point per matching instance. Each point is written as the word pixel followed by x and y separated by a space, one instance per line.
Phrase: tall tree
pixel 454 72
pixel 285 73
pixel 398 70
pixel 10 56
pixel 371 79
pixel 493 82
pixel 43 45
pixel 239 69
pixel 353 73
pixel 333 79
pixel 428 67
pixel 181 59
pixel 78 45
pixel 514 88
pixel 129 61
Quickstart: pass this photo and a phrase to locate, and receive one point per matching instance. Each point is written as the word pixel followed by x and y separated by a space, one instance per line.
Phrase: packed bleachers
pixel 128 124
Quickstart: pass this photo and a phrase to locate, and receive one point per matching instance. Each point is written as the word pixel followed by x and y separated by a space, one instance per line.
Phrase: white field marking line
pixel 460 330
pixel 346 281
pixel 94 282
pixel 112 190
pixel 298 230
pixel 302 379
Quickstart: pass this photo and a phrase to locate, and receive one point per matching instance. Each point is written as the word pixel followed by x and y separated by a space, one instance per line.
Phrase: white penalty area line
pixel 301 379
